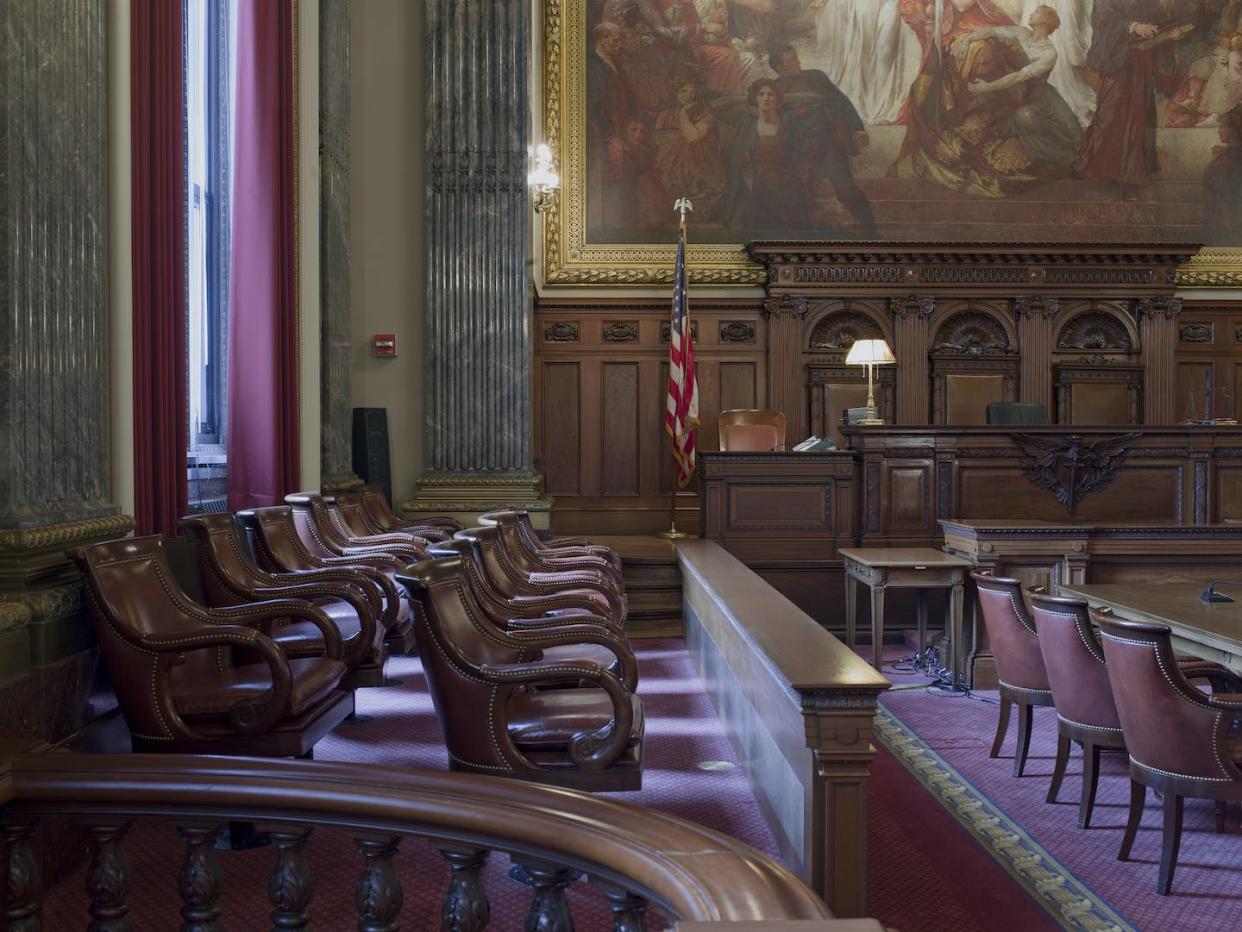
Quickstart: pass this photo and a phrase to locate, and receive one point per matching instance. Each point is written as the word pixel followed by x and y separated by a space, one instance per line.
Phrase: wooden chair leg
pixel 1058 772
pixel 1026 718
pixel 1090 780
pixel 1002 725
pixel 1172 841
pixel 1138 798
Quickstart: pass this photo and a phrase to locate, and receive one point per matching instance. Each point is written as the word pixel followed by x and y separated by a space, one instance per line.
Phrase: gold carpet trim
pixel 1070 902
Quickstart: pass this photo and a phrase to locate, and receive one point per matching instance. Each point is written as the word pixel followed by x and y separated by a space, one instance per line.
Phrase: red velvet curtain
pixel 263 324
pixel 161 414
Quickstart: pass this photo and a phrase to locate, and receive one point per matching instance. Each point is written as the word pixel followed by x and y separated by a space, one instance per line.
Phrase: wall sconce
pixel 543 180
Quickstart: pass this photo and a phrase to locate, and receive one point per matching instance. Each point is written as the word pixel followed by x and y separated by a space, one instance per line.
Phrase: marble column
pixel 54 425
pixel 336 410
pixel 1158 326
pixel 1035 338
pixel 787 389
pixel 478 369
pixel 910 317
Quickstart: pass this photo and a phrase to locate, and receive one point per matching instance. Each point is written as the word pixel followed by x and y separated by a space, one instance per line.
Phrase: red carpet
pixel 1207 888
pixel 926 873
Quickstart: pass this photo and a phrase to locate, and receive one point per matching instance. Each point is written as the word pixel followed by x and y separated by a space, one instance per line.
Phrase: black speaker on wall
pixel 371 449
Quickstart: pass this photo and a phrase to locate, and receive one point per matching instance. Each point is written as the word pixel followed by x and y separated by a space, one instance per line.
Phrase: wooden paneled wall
pixel 601 379
pixel 1209 361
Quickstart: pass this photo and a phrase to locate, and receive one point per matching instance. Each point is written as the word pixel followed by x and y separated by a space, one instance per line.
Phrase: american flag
pixel 681 411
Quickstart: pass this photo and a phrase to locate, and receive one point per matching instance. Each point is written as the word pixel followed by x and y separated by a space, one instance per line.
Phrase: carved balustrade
pixel 636 857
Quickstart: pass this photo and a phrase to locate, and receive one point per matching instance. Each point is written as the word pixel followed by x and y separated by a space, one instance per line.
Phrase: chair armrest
pixel 366 558
pixel 401 538
pixel 339 575
pixel 561 618
pixel 352 595
pixel 556 588
pixel 1225 702
pixel 590 750
pixel 568 634
pixel 556 543
pixel 250 716
pixel 545 604
pixel 273 609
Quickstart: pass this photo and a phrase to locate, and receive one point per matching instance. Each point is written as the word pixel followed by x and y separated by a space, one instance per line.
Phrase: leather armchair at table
pixel 1181 741
pixel 1019 663
pixel 350 599
pixel 491 694
pixel 386 519
pixel 206 681
pixel 553 546
pixel 356 520
pixel 511 580
pixel 279 547
pixel 314 518
pixel 1086 712
pixel 741 430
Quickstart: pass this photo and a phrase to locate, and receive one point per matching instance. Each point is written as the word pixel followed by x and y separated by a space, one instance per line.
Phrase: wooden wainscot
pixel 798 706
pixel 1054 554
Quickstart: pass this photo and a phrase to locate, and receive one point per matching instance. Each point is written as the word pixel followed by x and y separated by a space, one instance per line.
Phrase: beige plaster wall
pixel 388 279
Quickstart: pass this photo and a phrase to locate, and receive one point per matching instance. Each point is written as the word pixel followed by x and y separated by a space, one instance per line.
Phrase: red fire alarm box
pixel 384 344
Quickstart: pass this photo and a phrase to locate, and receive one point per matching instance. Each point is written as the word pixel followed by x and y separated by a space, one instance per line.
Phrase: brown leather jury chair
pixel 314 520
pixel 386 519
pixel 1086 712
pixel 1019 663
pixel 524 547
pixel 230 577
pixel 196 680
pixel 492 697
pixel 552 546
pixel 350 509
pixel 1181 741
pixel 744 430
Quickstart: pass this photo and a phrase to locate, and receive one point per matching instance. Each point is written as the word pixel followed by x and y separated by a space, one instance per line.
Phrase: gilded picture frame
pixel 570 258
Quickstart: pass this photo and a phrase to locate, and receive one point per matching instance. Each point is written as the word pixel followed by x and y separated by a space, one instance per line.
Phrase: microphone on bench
pixel 1211 595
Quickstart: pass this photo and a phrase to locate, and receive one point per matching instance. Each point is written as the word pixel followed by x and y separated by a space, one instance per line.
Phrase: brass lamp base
pixel 672 533
pixel 870 421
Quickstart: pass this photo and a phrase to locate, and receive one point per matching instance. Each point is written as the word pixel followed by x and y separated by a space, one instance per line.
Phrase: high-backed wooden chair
pixel 206 680
pixel 496 718
pixel 1019 663
pixel 1180 739
pixel 743 430
pixel 353 602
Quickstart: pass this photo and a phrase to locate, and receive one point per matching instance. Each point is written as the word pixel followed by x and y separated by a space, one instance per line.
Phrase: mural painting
pixel 915 120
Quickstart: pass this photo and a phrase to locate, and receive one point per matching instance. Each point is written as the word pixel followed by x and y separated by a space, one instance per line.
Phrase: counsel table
pixel 920 568
pixel 1211 630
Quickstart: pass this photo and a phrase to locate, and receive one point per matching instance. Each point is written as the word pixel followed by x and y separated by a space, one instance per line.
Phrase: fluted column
pixel 1035 337
pixel 786 374
pixel 54 424
pixel 910 319
pixel 478 249
pixel 335 444
pixel 1158 327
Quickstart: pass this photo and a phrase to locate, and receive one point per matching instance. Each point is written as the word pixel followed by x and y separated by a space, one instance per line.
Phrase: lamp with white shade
pixel 870 353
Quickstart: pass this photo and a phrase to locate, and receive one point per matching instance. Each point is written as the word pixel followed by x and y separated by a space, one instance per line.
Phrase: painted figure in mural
pixel 869 53
pixel 765 189
pixel 830 131
pixel 688 140
pixel 634 198
pixel 1212 87
pixel 1120 144
pixel 1044 135
pixel 1222 184
pixel 1070 76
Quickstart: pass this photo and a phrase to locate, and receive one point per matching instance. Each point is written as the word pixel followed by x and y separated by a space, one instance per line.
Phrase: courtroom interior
pixel 621 464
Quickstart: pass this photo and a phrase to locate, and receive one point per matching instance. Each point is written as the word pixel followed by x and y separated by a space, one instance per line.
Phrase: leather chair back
pixel 224 563
pixel 278 540
pixel 1168 724
pixel 348 508
pixel 1074 660
pixel 1015 644
pixel 757 431
pixel 133 594
pixel 315 526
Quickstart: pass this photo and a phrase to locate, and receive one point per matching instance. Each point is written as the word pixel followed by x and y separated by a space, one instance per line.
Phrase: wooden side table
pixel 921 568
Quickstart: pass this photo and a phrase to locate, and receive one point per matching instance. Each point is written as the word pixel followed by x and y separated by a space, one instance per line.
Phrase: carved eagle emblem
pixel 1072 467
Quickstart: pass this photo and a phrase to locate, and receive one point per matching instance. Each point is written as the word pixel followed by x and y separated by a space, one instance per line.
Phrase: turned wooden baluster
pixel 200 881
pixel 465 904
pixel 107 878
pixel 379 896
pixel 549 909
pixel 629 910
pixel 292 884
pixel 25 880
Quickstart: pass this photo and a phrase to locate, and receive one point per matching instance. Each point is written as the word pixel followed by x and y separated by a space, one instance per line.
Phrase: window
pixel 209 152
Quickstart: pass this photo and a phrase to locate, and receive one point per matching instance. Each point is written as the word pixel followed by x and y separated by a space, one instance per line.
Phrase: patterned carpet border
pixel 1069 901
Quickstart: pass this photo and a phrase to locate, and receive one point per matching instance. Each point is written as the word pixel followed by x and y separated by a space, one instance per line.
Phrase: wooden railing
pixel 635 856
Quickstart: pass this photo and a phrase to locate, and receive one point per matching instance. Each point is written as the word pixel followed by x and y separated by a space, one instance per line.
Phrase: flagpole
pixel 681 206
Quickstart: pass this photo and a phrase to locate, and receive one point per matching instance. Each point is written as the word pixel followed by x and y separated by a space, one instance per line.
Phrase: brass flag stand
pixel 682 205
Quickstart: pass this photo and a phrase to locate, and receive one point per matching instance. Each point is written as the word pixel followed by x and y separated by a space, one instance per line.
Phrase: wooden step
pixel 652 583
